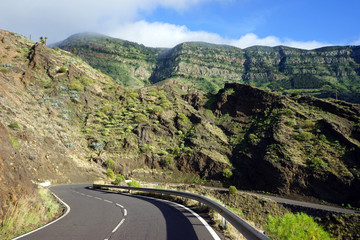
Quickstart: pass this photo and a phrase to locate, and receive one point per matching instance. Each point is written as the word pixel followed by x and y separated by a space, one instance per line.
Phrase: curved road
pixel 102 215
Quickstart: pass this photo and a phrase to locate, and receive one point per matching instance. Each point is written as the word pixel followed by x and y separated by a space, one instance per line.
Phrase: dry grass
pixel 29 213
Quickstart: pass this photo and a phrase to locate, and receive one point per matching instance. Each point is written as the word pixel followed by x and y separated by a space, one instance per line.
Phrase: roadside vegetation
pixel 29 213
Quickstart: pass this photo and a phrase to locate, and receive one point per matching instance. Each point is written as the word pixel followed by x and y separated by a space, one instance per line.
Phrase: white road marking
pixel 207 226
pixel 116 228
pixel 98 198
pixel 108 201
pixel 89 196
pixel 66 213
pixel 125 212
pixel 119 205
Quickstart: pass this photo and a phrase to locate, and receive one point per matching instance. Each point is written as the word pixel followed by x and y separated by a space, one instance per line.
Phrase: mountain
pixel 324 72
pixel 128 63
pixel 70 122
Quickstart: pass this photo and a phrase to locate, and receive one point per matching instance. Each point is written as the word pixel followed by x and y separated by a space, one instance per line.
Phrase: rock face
pixel 303 146
pixel 208 67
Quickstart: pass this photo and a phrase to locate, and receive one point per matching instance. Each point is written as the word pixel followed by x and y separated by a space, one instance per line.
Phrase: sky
pixel 305 24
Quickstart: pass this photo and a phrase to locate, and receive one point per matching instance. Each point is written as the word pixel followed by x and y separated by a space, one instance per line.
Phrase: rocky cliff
pixel 325 72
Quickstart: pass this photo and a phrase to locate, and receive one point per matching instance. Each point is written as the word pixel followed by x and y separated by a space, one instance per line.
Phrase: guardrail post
pixel 223 222
pixel 130 191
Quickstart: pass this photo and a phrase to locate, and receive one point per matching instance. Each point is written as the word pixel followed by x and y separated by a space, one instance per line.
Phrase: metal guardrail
pixel 248 231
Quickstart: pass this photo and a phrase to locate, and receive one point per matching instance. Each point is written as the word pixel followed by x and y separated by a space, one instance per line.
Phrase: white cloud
pixel 119 18
pixel 57 20
pixel 159 34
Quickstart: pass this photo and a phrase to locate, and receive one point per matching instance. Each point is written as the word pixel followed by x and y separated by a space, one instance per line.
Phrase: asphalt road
pixel 101 215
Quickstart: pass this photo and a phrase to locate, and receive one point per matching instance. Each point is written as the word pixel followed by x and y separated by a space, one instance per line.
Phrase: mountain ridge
pixel 332 71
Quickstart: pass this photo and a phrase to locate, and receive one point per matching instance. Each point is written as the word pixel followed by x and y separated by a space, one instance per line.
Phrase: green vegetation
pixel 76 85
pixel 4 70
pixel 29 213
pixel 110 173
pixel 14 142
pixel 133 183
pixel 62 70
pixel 294 226
pixel 227 173
pixel 119 179
pixel 232 190
pixel 14 126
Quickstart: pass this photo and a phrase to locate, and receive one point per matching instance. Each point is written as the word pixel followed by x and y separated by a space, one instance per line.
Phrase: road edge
pixel 48 224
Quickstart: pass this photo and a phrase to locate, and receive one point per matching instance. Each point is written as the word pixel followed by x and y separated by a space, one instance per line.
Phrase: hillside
pixel 128 63
pixel 71 121
pixel 325 72
pixel 65 122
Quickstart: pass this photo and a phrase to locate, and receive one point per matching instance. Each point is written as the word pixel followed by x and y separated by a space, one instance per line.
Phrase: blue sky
pixel 304 24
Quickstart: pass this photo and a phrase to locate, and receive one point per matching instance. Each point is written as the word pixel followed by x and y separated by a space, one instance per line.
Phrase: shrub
pixel 291 226
pixel 253 138
pixel 14 126
pixel 110 173
pixel 139 118
pixel 163 153
pixel 295 94
pixel 227 173
pixel 118 179
pixel 308 124
pixel 106 109
pixel 291 123
pixel 232 190
pixel 110 163
pixel 305 136
pixel 4 70
pixel 76 85
pixel 166 162
pixel 62 70
pixel 182 117
pixel 133 183
pixel 316 163
pixel 86 81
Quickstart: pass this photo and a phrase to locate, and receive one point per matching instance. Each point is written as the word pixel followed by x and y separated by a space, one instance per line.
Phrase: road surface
pixel 101 215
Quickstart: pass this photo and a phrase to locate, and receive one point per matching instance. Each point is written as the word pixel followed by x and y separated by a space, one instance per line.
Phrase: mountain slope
pixel 128 63
pixel 72 123
pixel 325 72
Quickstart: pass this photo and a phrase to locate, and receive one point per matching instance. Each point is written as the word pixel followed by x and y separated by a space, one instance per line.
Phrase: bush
pixel 308 124
pixel 110 163
pixel 62 70
pixel 4 70
pixel 227 173
pixel 133 183
pixel 295 94
pixel 140 118
pixel 119 178
pixel 110 173
pixel 305 136
pixel 291 226
pixel 253 138
pixel 316 163
pixel 14 126
pixel 76 85
pixel 232 190
pixel 291 123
